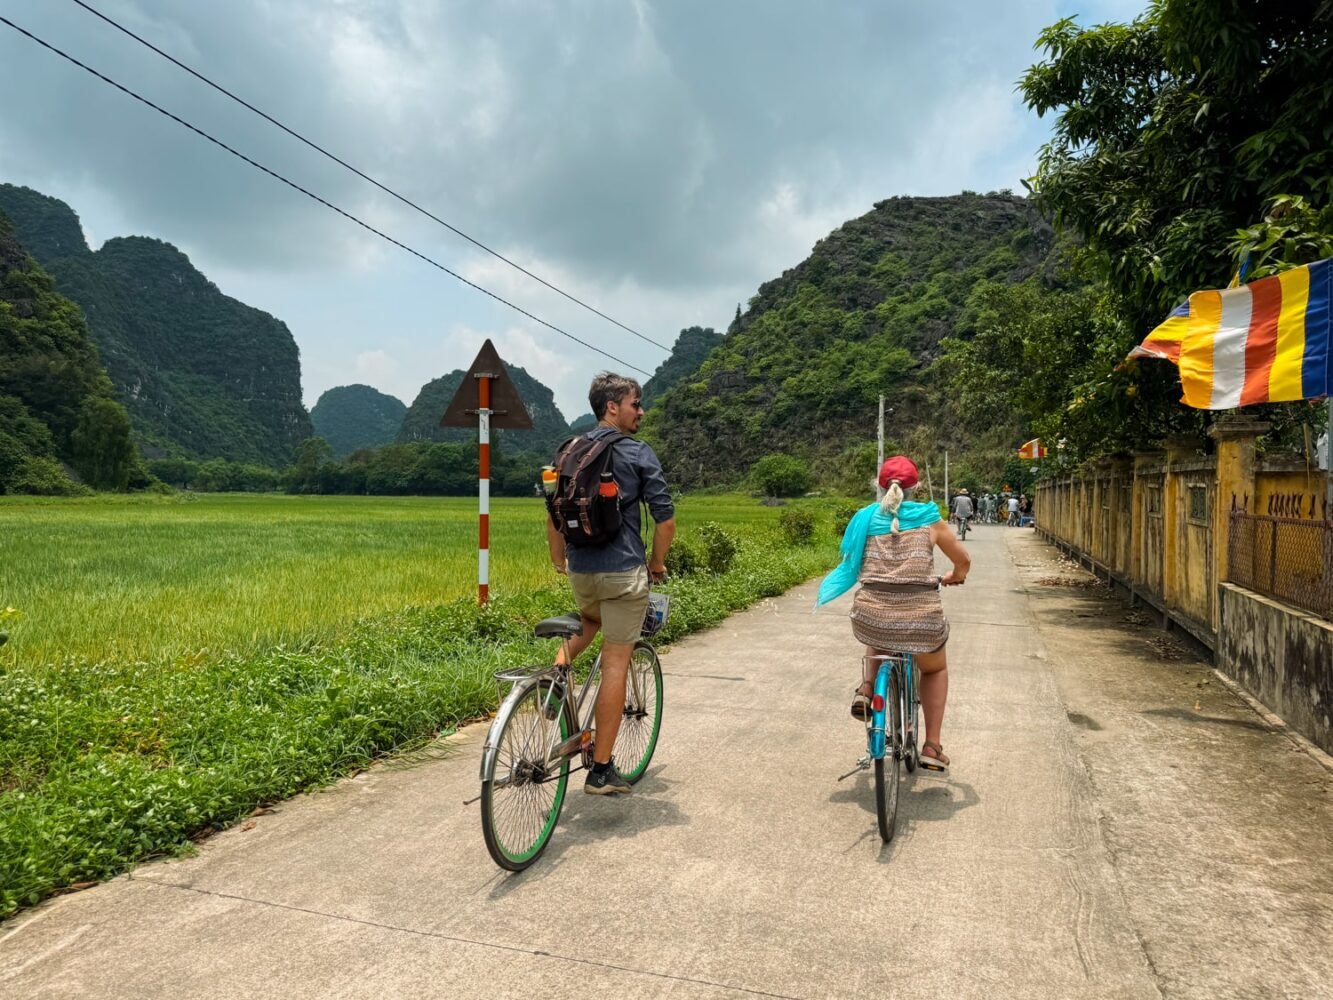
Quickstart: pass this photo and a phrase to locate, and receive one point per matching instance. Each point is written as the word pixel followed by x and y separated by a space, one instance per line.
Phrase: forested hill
pixel 202 375
pixel 56 405
pixel 802 368
pixel 422 422
pixel 688 352
pixel 350 417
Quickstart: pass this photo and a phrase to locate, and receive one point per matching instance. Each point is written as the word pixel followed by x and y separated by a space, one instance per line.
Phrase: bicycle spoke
pixel 525 791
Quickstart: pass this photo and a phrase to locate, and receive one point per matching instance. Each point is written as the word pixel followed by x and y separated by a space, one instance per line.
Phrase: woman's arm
pixel 949 544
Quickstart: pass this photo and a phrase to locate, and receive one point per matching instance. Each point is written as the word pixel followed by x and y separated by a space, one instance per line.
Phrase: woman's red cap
pixel 901 468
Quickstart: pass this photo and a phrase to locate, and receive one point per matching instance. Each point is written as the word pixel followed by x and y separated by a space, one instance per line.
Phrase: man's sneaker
pixel 606 783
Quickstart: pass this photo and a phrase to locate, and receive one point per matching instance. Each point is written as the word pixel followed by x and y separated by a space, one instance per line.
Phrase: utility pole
pixel 946 475
pixel 879 451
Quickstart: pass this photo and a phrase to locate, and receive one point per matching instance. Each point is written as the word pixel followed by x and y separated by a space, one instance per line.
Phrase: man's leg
pixel 580 642
pixel 611 698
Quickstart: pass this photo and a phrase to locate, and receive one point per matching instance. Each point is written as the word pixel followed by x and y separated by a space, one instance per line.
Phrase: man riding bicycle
pixel 962 509
pixel 611 580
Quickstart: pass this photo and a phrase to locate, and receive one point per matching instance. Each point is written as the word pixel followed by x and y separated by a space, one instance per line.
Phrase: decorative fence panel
pixel 1287 558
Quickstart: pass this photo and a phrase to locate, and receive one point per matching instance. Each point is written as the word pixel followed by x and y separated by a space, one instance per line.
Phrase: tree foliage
pixel 689 351
pixel 56 402
pixel 781 476
pixel 1192 142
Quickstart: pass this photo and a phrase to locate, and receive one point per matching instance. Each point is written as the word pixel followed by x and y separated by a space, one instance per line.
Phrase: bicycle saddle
pixel 565 626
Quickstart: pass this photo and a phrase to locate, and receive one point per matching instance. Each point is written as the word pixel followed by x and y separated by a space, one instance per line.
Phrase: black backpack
pixel 587 515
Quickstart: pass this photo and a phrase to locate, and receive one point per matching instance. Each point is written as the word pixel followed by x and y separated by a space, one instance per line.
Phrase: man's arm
pixel 556 543
pixel 653 490
pixel 663 533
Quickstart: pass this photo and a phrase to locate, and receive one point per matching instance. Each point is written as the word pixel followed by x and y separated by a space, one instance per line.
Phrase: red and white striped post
pixel 484 487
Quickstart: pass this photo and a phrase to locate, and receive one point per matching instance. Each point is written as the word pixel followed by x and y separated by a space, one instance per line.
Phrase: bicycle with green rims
pixel 544 723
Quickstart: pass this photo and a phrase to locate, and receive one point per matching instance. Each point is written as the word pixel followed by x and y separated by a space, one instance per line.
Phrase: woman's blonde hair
pixel 891 501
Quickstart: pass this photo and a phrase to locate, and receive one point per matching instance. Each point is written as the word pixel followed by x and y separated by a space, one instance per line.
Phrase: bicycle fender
pixel 491 746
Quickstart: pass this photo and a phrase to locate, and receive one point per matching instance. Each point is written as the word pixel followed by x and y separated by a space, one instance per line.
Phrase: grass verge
pixel 103 765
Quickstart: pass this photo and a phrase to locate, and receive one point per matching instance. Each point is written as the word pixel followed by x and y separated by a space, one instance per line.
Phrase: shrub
pixel 798 526
pixel 781 476
pixel 718 547
pixel 44 477
pixel 842 516
pixel 683 558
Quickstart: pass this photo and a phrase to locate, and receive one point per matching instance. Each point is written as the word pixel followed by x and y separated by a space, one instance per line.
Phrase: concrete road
pixel 1116 824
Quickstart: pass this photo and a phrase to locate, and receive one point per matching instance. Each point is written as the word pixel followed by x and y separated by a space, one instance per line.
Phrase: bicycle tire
pixel 517 817
pixel 887 768
pixel 640 726
pixel 909 703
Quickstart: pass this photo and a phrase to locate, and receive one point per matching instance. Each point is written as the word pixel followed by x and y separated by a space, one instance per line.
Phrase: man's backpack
pixel 585 506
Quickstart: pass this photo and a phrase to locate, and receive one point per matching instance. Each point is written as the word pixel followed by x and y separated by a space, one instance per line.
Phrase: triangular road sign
pixel 507 409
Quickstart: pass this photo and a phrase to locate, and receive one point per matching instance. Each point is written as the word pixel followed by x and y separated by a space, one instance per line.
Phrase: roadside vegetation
pixel 254 647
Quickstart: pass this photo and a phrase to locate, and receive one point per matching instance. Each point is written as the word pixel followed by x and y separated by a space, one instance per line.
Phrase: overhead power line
pixel 366 177
pixel 314 197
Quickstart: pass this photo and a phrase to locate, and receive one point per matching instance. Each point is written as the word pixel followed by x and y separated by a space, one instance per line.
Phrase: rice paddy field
pixel 155 579
pixel 175 662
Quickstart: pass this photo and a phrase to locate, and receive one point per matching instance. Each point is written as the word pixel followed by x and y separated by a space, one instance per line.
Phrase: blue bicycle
pixel 891 729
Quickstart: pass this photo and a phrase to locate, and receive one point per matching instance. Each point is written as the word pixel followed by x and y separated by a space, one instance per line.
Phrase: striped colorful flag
pixel 1266 342
pixel 1032 449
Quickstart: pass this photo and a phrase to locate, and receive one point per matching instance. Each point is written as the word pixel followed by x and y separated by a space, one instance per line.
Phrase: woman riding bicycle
pixel 889 548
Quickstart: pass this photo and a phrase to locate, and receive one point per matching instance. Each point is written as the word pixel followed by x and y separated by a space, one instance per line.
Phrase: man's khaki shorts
pixel 618 600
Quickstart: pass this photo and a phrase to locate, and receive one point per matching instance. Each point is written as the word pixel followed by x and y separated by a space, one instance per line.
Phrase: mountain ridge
pixel 201 374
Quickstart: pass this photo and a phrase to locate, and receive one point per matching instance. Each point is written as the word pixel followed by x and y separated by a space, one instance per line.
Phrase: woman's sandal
pixel 936 762
pixel 861 703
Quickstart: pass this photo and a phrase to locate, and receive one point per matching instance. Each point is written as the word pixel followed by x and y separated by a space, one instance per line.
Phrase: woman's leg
pixel 869 668
pixel 934 691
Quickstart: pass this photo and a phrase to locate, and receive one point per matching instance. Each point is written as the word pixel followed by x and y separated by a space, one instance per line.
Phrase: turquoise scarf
pixel 870 521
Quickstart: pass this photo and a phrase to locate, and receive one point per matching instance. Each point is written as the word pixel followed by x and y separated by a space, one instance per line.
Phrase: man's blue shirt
pixel 639 476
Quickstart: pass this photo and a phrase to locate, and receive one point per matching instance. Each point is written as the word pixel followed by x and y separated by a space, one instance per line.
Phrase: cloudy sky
pixel 656 158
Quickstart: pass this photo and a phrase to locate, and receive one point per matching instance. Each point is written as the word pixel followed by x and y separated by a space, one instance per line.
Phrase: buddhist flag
pixel 1032 449
pixel 1266 342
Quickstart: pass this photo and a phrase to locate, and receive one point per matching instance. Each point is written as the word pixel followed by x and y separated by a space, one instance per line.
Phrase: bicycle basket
pixel 658 606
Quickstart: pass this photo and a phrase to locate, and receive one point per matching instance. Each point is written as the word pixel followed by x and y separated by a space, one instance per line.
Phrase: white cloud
pixel 375 368
pixel 658 159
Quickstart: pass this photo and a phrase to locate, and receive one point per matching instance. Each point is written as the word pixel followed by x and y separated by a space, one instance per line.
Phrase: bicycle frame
pixel 877 726
pixel 571 706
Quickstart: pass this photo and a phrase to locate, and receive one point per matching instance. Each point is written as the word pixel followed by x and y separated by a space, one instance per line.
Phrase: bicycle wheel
pixel 887 767
pixel 521 795
pixel 642 721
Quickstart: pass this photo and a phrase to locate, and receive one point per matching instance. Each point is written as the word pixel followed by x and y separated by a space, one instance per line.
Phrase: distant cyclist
pixel 889 548
pixel 962 508
pixel 1013 505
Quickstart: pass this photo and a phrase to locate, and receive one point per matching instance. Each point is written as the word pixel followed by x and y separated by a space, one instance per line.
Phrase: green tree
pixel 101 447
pixel 303 474
pixel 781 476
pixel 1174 136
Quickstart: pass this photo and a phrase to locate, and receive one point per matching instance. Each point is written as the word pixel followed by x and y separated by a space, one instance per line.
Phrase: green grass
pixel 160 579
pixel 178 663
